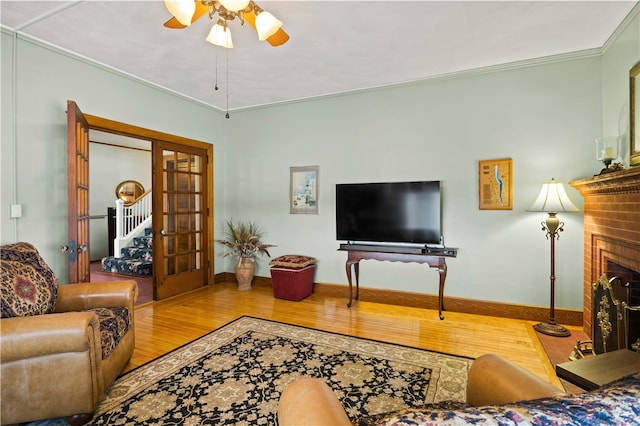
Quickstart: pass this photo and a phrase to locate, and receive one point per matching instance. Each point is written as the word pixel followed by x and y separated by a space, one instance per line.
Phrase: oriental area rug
pixel 235 375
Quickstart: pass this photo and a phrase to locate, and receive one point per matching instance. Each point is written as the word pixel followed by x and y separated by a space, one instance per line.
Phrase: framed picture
pixel 303 190
pixel 495 184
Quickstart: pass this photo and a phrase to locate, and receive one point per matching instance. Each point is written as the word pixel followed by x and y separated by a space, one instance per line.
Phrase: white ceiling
pixel 335 46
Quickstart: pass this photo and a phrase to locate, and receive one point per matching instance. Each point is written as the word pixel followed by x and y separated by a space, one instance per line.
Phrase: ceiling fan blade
pixel 279 38
pixel 201 10
pixel 174 23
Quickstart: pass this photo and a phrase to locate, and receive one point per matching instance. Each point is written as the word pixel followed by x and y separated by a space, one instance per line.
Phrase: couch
pixel 498 392
pixel 61 346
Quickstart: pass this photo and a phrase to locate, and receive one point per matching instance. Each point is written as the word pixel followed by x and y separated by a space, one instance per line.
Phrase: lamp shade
pixel 553 198
pixel 220 35
pixel 182 10
pixel 267 25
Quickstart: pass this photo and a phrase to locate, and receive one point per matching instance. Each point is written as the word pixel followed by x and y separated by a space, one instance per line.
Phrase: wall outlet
pixel 16 210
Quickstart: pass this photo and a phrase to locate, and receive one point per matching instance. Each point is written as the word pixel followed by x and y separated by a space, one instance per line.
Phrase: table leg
pixel 348 266
pixel 442 270
pixel 356 266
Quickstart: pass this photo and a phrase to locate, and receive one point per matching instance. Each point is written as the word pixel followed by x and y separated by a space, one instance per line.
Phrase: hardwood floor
pixel 165 325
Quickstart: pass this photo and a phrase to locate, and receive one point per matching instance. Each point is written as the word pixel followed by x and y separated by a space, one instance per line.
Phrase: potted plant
pixel 244 242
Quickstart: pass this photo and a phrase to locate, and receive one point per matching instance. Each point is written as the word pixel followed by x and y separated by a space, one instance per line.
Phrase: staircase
pixel 136 259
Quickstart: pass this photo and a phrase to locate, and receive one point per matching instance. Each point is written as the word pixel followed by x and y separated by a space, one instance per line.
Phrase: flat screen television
pixel 389 212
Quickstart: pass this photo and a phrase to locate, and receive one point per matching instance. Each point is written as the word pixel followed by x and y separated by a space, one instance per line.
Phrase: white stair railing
pixel 131 221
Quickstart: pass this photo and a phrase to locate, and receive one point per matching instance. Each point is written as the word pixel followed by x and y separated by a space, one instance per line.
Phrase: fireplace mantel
pixel 620 182
pixel 611 227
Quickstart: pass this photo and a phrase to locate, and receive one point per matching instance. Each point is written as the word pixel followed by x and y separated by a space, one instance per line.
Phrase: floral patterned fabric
pixel 136 259
pixel 114 324
pixel 618 404
pixel 383 417
pixel 27 285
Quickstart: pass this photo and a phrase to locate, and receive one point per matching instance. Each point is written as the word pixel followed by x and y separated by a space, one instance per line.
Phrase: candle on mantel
pixel 606 148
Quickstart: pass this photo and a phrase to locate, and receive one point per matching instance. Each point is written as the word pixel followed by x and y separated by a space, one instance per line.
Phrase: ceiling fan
pixel 186 12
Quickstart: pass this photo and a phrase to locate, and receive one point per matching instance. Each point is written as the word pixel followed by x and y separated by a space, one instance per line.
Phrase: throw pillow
pixel 27 285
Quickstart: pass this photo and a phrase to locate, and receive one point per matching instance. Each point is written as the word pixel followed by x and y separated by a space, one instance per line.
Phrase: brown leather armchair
pixel 60 364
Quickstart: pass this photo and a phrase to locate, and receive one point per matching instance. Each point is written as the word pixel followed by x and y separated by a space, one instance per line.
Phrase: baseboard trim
pixel 430 301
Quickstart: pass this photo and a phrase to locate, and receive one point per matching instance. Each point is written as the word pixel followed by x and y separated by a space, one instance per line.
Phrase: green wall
pixel 620 55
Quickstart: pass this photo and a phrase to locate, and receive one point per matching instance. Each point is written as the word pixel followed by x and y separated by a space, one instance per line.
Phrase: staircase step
pixel 136 259
pixel 127 266
pixel 143 242
pixel 142 253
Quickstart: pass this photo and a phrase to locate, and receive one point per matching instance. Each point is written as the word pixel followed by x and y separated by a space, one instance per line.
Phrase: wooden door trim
pixel 124 129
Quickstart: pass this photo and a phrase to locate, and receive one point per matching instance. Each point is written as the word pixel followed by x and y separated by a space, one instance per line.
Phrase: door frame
pixel 124 129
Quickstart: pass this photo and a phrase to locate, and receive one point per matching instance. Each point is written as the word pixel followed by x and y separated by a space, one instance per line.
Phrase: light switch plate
pixel 16 210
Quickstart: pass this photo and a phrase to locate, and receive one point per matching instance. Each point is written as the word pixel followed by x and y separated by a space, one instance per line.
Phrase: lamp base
pixel 552 329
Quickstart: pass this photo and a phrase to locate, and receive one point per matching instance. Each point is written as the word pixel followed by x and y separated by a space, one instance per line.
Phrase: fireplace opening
pixel 628 276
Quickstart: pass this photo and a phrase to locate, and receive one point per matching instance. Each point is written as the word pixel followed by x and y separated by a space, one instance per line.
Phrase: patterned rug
pixel 235 374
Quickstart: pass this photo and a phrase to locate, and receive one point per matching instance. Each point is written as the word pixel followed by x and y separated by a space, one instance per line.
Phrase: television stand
pixel 435 259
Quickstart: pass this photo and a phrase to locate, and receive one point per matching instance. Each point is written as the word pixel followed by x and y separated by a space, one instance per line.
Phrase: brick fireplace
pixel 611 231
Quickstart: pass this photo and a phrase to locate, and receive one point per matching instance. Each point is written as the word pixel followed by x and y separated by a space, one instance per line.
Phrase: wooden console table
pixel 435 261
pixel 596 371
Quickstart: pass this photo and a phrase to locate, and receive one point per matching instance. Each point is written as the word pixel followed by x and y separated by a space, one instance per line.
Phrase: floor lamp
pixel 552 199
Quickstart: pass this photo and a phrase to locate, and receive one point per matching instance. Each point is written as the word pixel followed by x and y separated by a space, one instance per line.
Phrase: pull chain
pixel 215 87
pixel 227 114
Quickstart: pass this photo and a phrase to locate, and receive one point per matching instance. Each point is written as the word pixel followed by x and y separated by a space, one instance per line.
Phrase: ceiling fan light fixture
pixel 267 25
pixel 220 35
pixel 182 10
pixel 234 5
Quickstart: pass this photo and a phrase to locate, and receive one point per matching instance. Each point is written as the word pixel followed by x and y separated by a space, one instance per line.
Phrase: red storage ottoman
pixel 292 276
